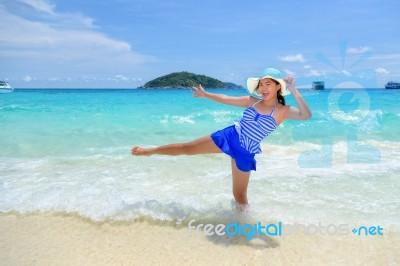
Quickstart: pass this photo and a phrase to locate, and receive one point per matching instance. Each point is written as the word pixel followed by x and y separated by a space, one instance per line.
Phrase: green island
pixel 182 80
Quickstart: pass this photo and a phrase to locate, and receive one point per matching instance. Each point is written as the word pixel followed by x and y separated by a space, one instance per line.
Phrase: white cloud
pixel 40 5
pixel 27 78
pixel 122 78
pixel 358 50
pixel 87 79
pixel 345 72
pixel 56 79
pixel 386 57
pixel 306 66
pixel 62 43
pixel 125 78
pixel 82 79
pixel 381 71
pixel 293 58
pixel 289 72
pixel 314 72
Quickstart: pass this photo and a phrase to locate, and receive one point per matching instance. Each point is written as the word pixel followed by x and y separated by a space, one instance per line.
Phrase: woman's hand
pixel 290 83
pixel 303 112
pixel 198 92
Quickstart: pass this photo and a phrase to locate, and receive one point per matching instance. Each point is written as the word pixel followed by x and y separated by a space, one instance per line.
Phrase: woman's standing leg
pixel 240 180
pixel 199 146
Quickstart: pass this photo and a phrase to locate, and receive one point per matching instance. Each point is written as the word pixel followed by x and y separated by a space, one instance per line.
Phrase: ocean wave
pixel 217 116
pixel 176 119
pixel 223 116
pixel 14 107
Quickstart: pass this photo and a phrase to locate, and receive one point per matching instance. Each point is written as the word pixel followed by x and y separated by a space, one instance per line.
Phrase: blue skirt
pixel 227 140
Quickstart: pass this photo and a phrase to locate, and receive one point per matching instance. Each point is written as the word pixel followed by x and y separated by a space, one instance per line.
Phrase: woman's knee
pixel 192 148
pixel 199 146
pixel 188 148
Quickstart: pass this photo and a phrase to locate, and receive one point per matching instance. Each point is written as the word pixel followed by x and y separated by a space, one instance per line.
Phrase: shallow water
pixel 69 151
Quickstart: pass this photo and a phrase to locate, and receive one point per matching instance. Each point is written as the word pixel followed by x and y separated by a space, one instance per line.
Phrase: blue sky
pixel 123 43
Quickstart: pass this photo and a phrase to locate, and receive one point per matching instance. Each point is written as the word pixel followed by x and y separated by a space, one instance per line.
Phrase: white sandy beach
pixel 59 239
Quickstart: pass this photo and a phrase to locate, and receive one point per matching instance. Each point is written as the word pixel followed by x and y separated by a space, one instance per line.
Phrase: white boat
pixel 318 85
pixel 393 85
pixel 5 87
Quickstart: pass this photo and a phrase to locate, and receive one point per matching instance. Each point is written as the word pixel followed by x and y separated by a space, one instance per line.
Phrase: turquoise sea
pixel 68 151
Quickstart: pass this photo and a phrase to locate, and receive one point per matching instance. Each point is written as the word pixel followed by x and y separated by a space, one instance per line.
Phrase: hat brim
pixel 252 84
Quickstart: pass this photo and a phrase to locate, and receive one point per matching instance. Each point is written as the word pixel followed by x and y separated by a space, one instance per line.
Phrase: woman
pixel 265 110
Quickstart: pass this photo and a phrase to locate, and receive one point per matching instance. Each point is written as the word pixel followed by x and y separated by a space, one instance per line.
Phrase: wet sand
pixel 64 239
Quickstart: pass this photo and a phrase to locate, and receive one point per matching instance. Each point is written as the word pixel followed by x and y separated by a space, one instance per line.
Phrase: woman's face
pixel 268 88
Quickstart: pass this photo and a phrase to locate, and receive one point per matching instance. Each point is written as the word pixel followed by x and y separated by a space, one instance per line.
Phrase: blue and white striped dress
pixel 254 127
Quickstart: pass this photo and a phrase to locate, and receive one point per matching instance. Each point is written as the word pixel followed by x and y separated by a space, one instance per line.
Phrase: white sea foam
pixel 223 116
pixel 118 187
pixel 175 119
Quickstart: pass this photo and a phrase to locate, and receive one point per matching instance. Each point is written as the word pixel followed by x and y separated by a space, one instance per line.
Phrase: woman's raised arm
pixel 242 101
pixel 302 112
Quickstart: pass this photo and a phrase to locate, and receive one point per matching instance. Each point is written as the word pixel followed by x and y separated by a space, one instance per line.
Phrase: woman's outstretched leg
pixel 199 146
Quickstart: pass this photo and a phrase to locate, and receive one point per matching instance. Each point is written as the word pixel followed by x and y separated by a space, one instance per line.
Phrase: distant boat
pixel 318 85
pixel 5 87
pixel 393 85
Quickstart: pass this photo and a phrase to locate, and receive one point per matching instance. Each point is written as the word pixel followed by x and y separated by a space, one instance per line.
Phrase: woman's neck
pixel 270 102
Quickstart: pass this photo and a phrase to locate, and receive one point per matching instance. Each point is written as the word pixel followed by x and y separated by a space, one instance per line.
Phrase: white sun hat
pixel 272 73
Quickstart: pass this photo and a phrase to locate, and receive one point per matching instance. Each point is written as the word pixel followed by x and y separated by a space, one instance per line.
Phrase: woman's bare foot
pixel 140 151
pixel 239 208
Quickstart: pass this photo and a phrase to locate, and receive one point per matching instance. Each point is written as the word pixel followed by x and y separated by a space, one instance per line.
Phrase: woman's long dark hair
pixel 281 99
